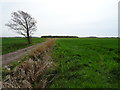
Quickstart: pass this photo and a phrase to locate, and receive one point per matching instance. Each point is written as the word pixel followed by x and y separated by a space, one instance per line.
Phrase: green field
pixel 13 44
pixel 86 63
pixel 79 62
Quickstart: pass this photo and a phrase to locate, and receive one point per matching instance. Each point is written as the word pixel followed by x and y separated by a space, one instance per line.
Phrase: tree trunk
pixel 28 37
pixel 29 40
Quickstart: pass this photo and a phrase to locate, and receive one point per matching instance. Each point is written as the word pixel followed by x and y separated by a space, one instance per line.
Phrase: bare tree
pixel 23 24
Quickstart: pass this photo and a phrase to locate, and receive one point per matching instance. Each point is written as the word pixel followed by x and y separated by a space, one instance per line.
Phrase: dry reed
pixel 24 75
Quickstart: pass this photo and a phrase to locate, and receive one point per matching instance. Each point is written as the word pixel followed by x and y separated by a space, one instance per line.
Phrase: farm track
pixel 19 54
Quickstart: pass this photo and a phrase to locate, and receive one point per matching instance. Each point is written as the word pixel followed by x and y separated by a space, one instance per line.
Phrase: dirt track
pixel 13 56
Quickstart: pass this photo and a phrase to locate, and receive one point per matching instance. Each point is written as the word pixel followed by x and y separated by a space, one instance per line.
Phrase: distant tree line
pixel 92 37
pixel 59 37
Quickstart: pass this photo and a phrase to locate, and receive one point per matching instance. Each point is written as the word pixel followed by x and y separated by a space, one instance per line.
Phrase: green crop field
pixel 86 63
pixel 13 44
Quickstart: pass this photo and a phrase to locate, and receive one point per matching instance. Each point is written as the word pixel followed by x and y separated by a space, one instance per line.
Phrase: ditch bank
pixel 29 73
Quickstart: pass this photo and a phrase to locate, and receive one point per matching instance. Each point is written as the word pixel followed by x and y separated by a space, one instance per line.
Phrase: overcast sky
pixel 65 17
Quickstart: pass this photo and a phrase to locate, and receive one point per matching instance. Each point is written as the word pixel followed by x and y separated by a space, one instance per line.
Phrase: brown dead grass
pixel 43 48
pixel 24 75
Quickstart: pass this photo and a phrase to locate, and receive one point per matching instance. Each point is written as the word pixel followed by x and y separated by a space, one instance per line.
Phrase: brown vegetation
pixel 25 74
